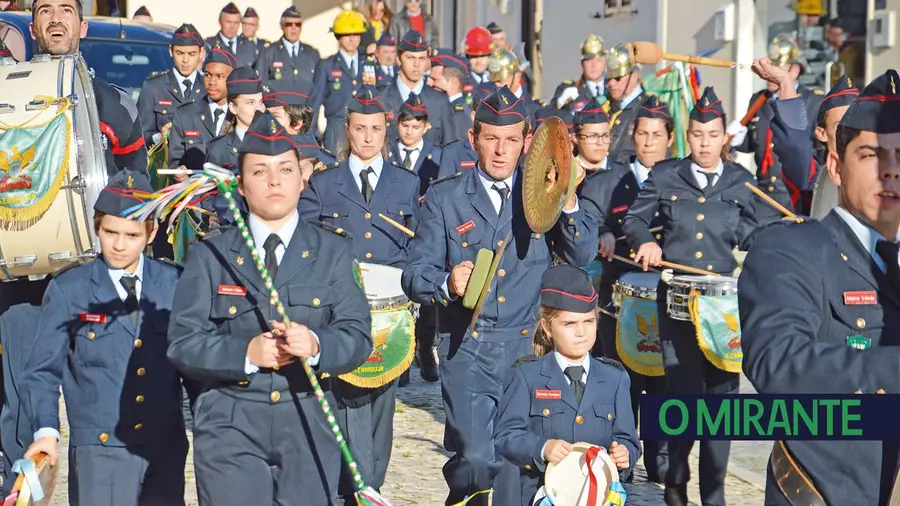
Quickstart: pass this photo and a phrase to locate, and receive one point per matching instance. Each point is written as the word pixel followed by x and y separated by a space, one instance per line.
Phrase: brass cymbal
pixel 548 179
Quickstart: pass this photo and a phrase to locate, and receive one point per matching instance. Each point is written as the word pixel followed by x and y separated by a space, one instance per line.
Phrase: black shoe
pixel 676 495
pixel 427 365
pixel 404 379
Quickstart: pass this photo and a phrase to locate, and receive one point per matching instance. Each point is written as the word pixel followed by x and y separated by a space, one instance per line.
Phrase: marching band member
pixel 414 61
pixel 478 47
pixel 819 304
pixel 506 70
pixel 460 155
pixel 589 88
pixel 460 215
pixel 339 75
pixel 228 38
pixel 386 54
pixel 289 59
pixel 626 94
pixel 706 210
pixel 244 101
pixel 197 123
pixel 351 195
pixel 167 90
pixel 449 73
pixel 758 137
pixel 588 397
pixel 608 195
pixel 591 137
pixel 102 331
pixel 260 436
pixel 142 14
pixel 291 108
pixel 249 27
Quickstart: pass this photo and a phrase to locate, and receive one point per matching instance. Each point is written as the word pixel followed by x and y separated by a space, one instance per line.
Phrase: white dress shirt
pixel 641 173
pixel 293 48
pixel 493 194
pixel 388 70
pixel 213 107
pixel 405 90
pixel 627 99
pixel 356 165
pixel 230 43
pixel 596 87
pixel 413 155
pixel 454 97
pixel 867 236
pixel 185 90
pixel 349 59
pixel 260 233
pixel 701 180
pixel 240 133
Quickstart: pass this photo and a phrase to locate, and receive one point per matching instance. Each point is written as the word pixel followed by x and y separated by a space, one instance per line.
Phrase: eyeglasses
pixel 595 138
pixel 296 24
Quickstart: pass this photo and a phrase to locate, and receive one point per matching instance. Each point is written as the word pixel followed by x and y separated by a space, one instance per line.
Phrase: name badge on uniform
pixel 232 290
pixel 336 73
pixel 867 298
pixel 465 227
pixel 192 133
pixel 390 115
pixel 165 102
pixel 467 165
pixel 552 395
pixel 468 88
pixel 277 64
pixel 620 209
pixel 859 342
pixel 92 318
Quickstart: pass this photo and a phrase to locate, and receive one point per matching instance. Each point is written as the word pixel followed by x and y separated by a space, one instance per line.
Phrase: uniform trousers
pixel 369 430
pixel 689 372
pixel 656 453
pixel 264 454
pixel 473 372
pixel 147 475
pixel 426 329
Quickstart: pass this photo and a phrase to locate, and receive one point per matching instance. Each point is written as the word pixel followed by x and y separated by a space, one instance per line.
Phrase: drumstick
pixel 175 172
pixel 670 265
pixel 632 262
pixel 772 202
pixel 751 112
pixel 399 226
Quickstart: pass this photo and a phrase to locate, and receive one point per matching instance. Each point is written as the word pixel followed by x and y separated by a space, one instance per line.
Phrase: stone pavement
pixel 414 476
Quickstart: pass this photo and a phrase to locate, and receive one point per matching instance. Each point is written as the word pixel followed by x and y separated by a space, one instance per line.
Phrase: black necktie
pixel 271 244
pixel 216 115
pixel 129 283
pixel 407 160
pixel 367 189
pixel 503 190
pixel 574 373
pixel 889 252
pixel 710 178
pixel 187 87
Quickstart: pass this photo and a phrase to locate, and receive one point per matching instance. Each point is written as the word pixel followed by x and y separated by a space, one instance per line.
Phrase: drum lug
pixel 7 108
pixel 41 58
pixel 76 185
pixel 24 260
pixel 60 256
pixel 8 62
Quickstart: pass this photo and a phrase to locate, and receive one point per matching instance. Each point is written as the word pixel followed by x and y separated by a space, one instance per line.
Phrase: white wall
pixel 880 60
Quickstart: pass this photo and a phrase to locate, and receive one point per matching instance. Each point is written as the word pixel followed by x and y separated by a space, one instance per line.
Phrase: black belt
pixel 792 480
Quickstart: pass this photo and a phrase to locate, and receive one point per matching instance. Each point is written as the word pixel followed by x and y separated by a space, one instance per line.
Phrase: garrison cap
pixel 412 42
pixel 367 100
pixel 501 108
pixel 280 93
pixel 291 12
pixel 414 106
pixel 386 39
pixel 187 35
pixel 125 190
pixel 251 13
pixel 142 11
pixel 842 94
pixel 482 92
pixel 549 111
pixel 877 107
pixel 243 81
pixel 652 108
pixel 568 288
pixel 231 9
pixel 266 137
pixel 216 55
pixel 591 116
pixel 494 28
pixel 708 108
pixel 447 58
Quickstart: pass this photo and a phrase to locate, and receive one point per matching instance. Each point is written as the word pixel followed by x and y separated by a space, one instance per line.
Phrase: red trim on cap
pixel 657 110
pixel 231 58
pixel 504 112
pixel 370 102
pixel 581 298
pixel 448 57
pixel 234 81
pixel 420 108
pixel 709 108
pixel 415 44
pixel 877 98
pixel 271 138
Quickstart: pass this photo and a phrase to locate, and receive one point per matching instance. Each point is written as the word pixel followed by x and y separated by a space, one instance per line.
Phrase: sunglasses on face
pixel 297 24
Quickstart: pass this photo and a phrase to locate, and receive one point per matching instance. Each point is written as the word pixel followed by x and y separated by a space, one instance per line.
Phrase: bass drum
pixel 825 196
pixel 59 229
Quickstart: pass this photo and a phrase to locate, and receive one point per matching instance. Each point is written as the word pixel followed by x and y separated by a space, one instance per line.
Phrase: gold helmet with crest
pixel 504 64
pixel 620 61
pixel 593 47
pixel 783 50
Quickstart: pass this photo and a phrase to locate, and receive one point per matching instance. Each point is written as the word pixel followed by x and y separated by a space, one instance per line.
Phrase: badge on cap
pixel 232 290
pixel 866 298
pixel 859 342
pixel 465 227
pixel 551 395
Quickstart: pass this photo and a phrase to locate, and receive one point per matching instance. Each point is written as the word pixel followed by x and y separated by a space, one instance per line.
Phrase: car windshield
pixel 123 63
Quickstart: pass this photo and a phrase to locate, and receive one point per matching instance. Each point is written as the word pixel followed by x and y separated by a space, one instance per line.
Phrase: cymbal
pixel 548 178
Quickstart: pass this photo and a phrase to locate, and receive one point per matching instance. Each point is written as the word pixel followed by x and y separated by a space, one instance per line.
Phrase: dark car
pixel 120 51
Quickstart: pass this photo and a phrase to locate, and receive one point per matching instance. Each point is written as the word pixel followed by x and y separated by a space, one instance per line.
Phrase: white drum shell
pixel 641 285
pixel 382 285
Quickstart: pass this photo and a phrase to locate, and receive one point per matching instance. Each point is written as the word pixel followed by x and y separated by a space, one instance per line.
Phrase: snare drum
pixel 393 328
pixel 680 288
pixel 46 216
pixel 637 329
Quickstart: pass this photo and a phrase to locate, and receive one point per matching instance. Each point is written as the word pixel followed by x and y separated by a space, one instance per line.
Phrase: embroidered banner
pixel 393 337
pixel 595 269
pixel 637 336
pixel 718 329
pixel 33 164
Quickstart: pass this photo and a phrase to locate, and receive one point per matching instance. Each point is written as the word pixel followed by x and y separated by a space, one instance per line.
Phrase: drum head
pixel 645 279
pixel 568 480
pixel 382 282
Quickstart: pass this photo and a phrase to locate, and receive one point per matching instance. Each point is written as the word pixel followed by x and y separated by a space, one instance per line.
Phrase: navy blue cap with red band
pixel 568 288
pixel 187 35
pixel 501 108
pixel 708 108
pixel 592 116
pixel 243 81
pixel 653 108
pixel 366 100
pixel 412 42
pixel 217 55
pixel 266 137
pixel 841 94
pixel 877 107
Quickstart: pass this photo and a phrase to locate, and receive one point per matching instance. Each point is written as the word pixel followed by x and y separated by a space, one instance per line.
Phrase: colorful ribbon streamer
pixel 26 468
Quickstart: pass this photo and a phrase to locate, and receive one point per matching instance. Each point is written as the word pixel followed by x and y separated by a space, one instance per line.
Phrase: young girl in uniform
pixel 562 395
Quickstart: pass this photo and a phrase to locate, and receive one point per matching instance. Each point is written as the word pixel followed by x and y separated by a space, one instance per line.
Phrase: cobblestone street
pixel 414 477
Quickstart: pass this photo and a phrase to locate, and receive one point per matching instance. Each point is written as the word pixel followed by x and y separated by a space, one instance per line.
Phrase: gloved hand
pixel 569 94
pixel 739 132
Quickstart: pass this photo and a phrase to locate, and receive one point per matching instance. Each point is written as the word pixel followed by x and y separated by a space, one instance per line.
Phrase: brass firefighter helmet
pixel 620 61
pixel 592 47
pixel 504 64
pixel 783 50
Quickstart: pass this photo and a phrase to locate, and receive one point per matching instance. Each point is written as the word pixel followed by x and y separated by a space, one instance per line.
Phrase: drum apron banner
pixel 392 335
pixel 595 269
pixel 637 336
pixel 718 329
pixel 34 160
